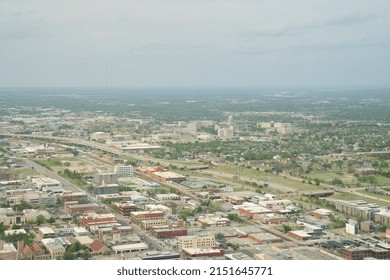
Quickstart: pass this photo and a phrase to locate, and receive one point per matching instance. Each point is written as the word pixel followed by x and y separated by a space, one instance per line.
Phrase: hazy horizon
pixel 203 43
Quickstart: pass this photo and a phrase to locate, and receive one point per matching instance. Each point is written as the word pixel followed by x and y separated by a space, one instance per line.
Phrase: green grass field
pixel 23 171
pixel 387 197
pixel 242 171
pixel 298 185
pixel 351 197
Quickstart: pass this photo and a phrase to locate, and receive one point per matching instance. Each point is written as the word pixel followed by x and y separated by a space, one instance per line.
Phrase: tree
pixel 40 220
pixel 2 228
pixel 23 205
pixel 235 247
pixel 219 236
pixel 339 165
pixel 16 226
pixel 235 218
pixel 214 207
pixel 286 228
pixel 184 214
pixel 52 220
pixel 86 255
pixel 77 246
pixel 68 256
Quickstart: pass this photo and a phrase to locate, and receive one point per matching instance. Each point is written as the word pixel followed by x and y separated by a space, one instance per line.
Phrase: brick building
pixel 299 234
pixel 80 197
pixel 93 219
pixel 359 253
pixel 75 209
pixel 125 208
pixel 251 210
pixel 270 218
pixel 46 232
pixel 168 231
pixel 139 216
pixel 236 200
pixel 35 252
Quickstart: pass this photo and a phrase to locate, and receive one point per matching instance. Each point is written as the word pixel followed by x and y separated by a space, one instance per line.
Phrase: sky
pixel 195 43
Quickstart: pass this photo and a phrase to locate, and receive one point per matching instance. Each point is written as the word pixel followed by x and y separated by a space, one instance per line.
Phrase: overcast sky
pixel 194 42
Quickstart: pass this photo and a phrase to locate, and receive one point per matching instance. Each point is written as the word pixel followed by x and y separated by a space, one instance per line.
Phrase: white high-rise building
pixel 351 227
pixel 226 133
pixel 230 120
pixel 124 170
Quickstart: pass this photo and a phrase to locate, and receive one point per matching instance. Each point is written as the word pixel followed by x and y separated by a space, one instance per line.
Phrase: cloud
pixel 22 24
pixel 297 29
pixel 350 20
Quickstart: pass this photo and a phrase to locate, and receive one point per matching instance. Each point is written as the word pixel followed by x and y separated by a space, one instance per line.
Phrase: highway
pixel 74 141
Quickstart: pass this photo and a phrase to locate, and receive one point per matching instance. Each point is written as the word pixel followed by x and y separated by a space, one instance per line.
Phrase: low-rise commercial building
pixel 158 207
pixel 360 253
pixel 166 255
pixel 14 232
pixel 190 253
pixel 275 204
pixel 148 224
pixel 270 218
pixel 93 219
pixel 321 213
pixel 165 176
pixel 8 251
pixel 41 182
pixel 46 232
pixel 55 248
pixel 75 209
pixel 197 241
pixel 299 234
pixel 252 210
pixel 80 197
pixel 139 216
pixel 168 231
pixel 125 208
pixel 211 220
pixel 128 248
pixel 168 196
pixel 111 231
pixel 264 238
pixel 236 200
